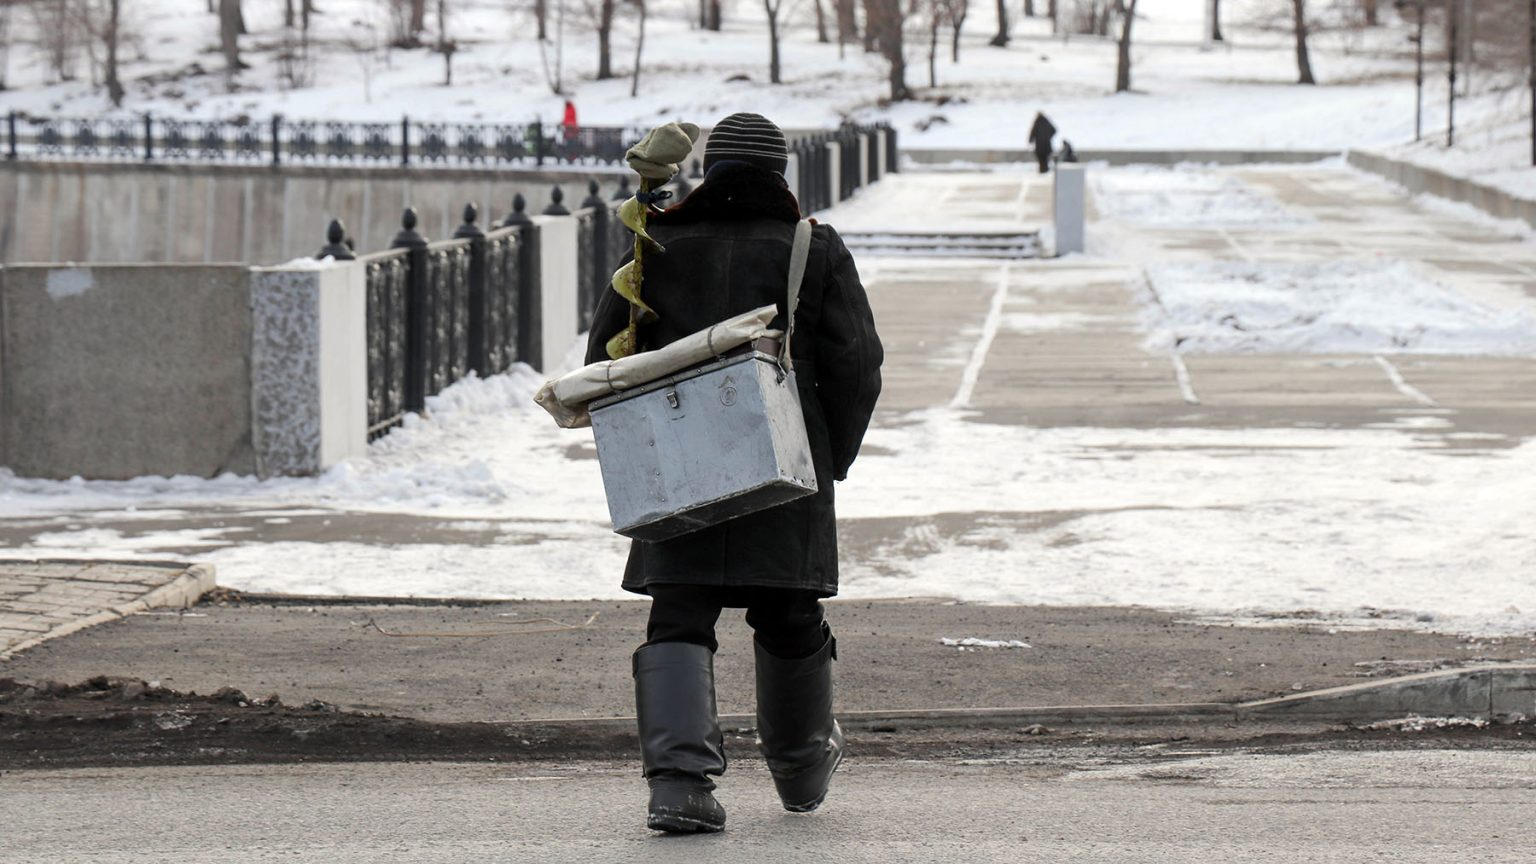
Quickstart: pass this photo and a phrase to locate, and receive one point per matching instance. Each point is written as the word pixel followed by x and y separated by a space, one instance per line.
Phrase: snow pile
pixel 1415 723
pixel 1186 197
pixel 971 643
pixel 1335 307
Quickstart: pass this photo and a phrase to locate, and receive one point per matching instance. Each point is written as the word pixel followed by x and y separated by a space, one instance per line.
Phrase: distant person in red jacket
pixel 568 126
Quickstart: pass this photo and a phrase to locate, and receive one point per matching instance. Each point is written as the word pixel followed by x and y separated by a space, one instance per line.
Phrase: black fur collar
pixel 735 191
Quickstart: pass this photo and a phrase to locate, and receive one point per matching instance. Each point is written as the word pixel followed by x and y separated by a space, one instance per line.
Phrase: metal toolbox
pixel 703 446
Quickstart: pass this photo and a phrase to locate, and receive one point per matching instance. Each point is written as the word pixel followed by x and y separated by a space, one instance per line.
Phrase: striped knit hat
pixel 744 137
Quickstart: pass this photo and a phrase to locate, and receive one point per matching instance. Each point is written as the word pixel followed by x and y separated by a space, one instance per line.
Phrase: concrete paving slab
pixel 42 600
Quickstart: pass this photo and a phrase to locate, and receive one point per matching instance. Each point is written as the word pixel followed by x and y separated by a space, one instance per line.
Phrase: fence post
pixel 405 140
pixel 149 140
pixel 277 139
pixel 417 362
pixel 538 141
pixel 475 328
pixel 892 160
pixel 10 124
pixel 336 243
pixel 530 297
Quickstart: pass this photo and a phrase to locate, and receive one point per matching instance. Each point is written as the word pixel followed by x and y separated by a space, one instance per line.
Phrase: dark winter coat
pixel 1041 134
pixel 727 252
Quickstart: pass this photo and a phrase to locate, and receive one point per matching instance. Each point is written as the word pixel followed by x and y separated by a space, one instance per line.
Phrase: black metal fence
pixel 281 141
pixel 440 310
pixel 814 163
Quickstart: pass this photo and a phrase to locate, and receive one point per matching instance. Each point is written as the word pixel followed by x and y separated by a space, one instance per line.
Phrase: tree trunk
pixel 714 15
pixel 418 19
pixel 604 38
pixel 1001 39
pixel 541 15
pixel 871 25
pixel 1216 21
pixel 847 21
pixel 1123 64
pixel 1371 17
pixel 1303 60
pixel 773 41
pixel 290 15
pixel 888 22
pixel 934 21
pixel 634 81
pixel 821 23
pixel 115 90
pixel 5 42
pixel 229 33
pixel 1029 8
pixel 957 22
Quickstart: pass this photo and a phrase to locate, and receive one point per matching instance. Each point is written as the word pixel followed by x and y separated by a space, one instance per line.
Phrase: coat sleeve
pixel 848 356
pixel 611 316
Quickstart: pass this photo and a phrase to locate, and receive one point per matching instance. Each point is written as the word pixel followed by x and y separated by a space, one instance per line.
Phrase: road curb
pixel 1503 693
pixel 185 590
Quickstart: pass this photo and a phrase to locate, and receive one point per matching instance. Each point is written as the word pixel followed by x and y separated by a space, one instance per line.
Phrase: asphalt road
pixel 1149 805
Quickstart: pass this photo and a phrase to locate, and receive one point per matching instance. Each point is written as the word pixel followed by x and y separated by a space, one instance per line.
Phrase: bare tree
pixel 634 81
pixel 1303 58
pixel 418 23
pixel 1216 21
pixel 886 20
pixel 230 21
pixel 957 10
pixel 935 21
pixel 601 13
pixel 1123 61
pixel 445 46
pixel 821 23
pixel 871 37
pixel 57 32
pixel 1371 14
pixel 772 7
pixel 110 33
pixel 1001 39
pixel 847 23
pixel 5 40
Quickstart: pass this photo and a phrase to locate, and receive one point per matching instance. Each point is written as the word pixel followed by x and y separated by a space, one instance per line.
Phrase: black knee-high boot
pixel 680 741
pixel 796 732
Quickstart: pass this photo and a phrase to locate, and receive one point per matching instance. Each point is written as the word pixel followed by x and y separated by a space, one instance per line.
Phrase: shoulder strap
pixel 798 254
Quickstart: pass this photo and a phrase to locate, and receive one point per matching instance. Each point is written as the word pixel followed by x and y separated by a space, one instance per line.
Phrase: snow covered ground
pixel 1240 94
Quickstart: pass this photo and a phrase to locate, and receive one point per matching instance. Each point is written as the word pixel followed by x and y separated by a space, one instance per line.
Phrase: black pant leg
pixel 788 622
pixel 683 613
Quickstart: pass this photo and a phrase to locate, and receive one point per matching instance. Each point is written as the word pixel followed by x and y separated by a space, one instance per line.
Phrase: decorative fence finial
pixel 555 208
pixel 336 246
pixel 624 190
pixel 408 235
pixel 469 228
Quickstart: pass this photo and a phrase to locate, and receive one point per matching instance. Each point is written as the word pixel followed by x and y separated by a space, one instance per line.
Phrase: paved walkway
pixel 1163 804
pixel 46 600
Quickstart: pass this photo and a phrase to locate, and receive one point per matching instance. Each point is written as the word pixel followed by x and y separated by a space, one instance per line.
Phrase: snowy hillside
pixel 1238 95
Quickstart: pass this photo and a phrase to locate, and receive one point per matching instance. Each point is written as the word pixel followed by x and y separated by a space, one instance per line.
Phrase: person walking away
pixel 727 252
pixel 1040 135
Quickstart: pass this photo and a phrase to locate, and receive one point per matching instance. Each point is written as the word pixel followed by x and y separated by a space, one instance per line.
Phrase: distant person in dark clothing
pixel 1067 154
pixel 1041 135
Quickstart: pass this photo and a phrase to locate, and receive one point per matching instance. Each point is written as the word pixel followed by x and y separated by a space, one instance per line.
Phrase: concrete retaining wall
pixel 127 212
pixel 114 372
pixel 119 371
pixel 1418 179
